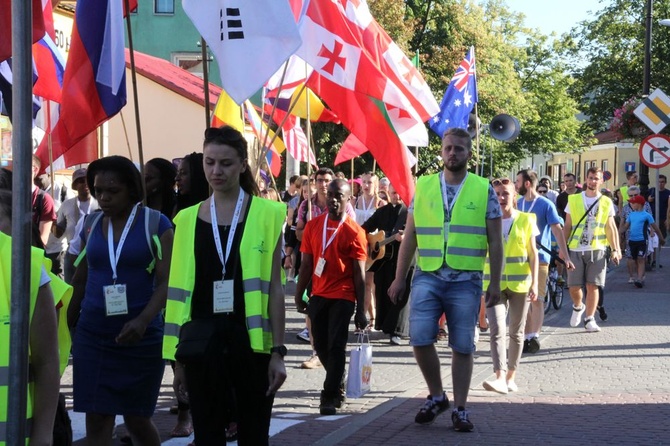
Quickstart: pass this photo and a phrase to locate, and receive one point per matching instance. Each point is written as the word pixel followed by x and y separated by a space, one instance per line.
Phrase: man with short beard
pixel 589 228
pixel 570 182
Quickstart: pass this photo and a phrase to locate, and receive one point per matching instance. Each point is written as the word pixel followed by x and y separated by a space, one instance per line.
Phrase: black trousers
pixel 232 379
pixel 330 330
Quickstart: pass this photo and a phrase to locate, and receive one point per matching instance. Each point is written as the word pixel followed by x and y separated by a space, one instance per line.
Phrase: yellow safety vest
pixel 265 221
pixel 624 194
pixel 516 275
pixel 466 242
pixel 577 209
pixel 36 262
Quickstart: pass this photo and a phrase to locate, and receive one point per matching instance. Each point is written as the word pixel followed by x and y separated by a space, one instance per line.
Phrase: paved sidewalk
pixel 610 387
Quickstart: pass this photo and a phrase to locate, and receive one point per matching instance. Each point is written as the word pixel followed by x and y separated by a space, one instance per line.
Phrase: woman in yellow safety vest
pixel 518 287
pixel 43 390
pixel 224 321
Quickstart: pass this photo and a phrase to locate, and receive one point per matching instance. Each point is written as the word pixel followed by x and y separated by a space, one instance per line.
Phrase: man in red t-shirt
pixel 334 249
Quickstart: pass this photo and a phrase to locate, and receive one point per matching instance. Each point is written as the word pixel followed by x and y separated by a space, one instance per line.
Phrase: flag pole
pixel 288 112
pixel 52 176
pixel 125 134
pixel 262 150
pixel 205 78
pixel 477 137
pixel 133 75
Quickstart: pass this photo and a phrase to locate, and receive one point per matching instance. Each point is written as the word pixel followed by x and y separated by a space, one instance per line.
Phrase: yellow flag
pixel 227 112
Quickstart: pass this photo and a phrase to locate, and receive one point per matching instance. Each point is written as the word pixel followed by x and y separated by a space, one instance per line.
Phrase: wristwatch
pixel 281 349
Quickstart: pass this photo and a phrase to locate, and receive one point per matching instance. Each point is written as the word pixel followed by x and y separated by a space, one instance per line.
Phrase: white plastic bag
pixel 360 368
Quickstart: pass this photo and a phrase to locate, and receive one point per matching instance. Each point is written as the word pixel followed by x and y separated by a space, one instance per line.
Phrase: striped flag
pixel 296 142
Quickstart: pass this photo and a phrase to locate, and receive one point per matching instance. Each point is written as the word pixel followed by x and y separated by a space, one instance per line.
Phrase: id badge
pixel 320 265
pixel 446 233
pixel 223 296
pixel 115 299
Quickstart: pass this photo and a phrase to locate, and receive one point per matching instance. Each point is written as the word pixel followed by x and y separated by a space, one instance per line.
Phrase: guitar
pixel 377 247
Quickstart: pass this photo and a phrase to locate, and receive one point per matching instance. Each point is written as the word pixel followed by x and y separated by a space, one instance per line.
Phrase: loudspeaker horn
pixel 504 127
pixel 473 120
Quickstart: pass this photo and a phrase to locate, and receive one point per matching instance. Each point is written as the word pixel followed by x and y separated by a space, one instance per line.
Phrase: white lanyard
pixel 443 186
pixel 523 205
pixel 231 233
pixel 332 237
pixel 114 256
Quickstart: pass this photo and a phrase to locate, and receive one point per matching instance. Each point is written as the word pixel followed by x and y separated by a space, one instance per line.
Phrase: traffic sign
pixel 655 150
pixel 607 175
pixel 654 111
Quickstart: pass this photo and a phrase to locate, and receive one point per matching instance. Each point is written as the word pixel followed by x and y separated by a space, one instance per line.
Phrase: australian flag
pixel 459 99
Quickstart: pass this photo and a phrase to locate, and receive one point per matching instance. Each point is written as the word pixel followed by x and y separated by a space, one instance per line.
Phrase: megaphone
pixel 473 123
pixel 504 127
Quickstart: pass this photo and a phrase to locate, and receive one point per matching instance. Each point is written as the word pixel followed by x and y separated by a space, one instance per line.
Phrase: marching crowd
pixel 197 278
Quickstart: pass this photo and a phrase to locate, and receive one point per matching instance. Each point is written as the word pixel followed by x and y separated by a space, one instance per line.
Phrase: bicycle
pixel 555 288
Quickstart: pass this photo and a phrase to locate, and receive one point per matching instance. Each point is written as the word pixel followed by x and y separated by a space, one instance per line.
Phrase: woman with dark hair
pixel 119 291
pixel 226 299
pixel 192 187
pixel 159 177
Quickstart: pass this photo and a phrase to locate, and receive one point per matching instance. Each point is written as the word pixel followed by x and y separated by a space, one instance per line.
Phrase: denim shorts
pixel 459 301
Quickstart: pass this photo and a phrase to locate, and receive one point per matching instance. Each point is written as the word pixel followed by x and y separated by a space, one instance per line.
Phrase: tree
pixel 608 55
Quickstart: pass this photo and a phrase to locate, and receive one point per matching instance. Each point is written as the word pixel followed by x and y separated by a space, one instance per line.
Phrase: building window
pixel 191 62
pixel 604 165
pixel 163 6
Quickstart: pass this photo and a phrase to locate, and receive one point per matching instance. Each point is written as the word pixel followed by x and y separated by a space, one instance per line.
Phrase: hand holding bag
pixel 360 367
pixel 194 338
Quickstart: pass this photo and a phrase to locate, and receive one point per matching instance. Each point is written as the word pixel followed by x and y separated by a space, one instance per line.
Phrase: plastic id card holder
pixel 116 302
pixel 223 296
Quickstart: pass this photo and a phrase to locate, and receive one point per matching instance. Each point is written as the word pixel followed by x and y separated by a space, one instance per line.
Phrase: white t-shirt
pixel 588 222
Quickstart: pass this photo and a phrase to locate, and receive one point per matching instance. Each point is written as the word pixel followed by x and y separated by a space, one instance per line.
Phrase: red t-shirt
pixel 47 212
pixel 350 243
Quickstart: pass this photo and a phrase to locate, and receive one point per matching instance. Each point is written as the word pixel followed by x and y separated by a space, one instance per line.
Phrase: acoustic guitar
pixel 377 247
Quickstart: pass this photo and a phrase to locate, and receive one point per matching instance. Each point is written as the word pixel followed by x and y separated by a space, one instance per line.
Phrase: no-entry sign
pixel 655 151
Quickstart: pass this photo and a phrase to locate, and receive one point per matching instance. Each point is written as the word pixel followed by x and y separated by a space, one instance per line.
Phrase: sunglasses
pixel 542 191
pixel 501 182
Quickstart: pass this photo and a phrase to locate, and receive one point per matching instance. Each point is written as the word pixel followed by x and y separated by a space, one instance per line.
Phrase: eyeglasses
pixel 501 181
pixel 632 195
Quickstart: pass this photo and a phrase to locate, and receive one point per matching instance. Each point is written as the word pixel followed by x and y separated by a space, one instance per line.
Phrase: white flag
pixel 250 39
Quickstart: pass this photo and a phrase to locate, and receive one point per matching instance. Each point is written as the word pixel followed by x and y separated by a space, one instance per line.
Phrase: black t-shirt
pixel 562 202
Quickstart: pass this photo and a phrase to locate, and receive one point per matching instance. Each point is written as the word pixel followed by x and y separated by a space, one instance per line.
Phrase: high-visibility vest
pixel 466 242
pixel 516 275
pixel 624 194
pixel 261 232
pixel 36 262
pixel 577 210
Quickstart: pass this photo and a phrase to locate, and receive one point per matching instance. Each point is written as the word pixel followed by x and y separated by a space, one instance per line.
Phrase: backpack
pixel 152 219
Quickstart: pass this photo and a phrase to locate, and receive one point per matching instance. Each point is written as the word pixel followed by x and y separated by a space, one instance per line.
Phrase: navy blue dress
pixel 109 378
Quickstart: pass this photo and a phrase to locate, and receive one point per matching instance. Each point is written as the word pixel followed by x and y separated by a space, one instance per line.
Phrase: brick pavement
pixel 593 388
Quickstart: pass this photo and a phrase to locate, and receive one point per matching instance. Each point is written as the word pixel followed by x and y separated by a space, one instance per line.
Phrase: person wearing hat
pixel 639 222
pixel 71 211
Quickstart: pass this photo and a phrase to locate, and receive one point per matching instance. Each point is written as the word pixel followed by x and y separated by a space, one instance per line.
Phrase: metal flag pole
pixel 22 105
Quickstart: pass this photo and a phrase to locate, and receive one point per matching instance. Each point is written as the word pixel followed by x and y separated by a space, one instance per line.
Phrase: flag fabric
pixel 264 136
pixel 227 112
pixel 6 85
pixel 294 74
pixel 353 147
pixel 94 79
pixel 250 40
pixel 296 142
pixel 355 88
pixel 50 67
pixel 6 26
pixel 459 98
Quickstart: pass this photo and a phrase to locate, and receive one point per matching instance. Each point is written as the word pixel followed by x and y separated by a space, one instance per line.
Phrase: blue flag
pixel 459 99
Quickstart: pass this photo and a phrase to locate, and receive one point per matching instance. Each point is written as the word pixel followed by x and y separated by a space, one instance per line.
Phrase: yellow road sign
pixel 654 111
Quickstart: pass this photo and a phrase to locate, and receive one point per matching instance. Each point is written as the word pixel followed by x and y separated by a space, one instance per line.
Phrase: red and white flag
pixel 296 141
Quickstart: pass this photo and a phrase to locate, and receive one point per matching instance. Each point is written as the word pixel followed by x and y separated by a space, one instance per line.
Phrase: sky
pixel 557 16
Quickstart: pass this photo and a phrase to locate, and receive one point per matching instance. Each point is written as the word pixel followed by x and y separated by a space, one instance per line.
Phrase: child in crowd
pixel 639 222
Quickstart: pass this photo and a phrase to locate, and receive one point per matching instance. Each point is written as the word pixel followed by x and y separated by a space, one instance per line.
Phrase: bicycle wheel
pixel 547 303
pixel 557 297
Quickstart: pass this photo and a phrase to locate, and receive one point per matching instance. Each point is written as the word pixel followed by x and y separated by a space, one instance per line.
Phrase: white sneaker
pixel 576 317
pixel 496 385
pixel 312 363
pixel 512 387
pixel 591 325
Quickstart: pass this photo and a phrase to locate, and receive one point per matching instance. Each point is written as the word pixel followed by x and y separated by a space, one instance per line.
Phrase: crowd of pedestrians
pixel 187 265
